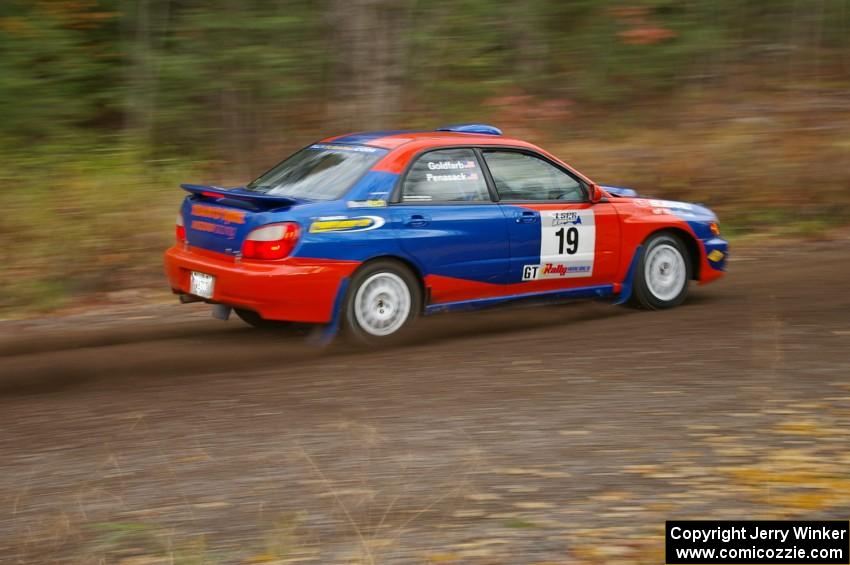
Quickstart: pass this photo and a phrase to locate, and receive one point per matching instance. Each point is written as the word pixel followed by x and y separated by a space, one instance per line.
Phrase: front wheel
pixel 662 275
pixel 382 303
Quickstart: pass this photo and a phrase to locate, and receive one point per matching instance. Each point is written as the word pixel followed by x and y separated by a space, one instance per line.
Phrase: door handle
pixel 526 217
pixel 417 220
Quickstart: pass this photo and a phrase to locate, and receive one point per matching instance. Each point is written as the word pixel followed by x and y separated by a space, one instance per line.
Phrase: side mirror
pixel 596 194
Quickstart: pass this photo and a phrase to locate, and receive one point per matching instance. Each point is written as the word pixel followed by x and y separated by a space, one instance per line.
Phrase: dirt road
pixel 557 434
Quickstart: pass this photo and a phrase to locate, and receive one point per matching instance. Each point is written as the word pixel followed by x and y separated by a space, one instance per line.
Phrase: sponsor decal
pixel 565 218
pixel 346 224
pixel 226 215
pixel 228 231
pixel 417 198
pixel 355 148
pixel 529 272
pixel 562 270
pixel 451 178
pixel 367 204
pixel 671 204
pixel 450 165
pixel 567 245
pixel 716 256
pixel 555 271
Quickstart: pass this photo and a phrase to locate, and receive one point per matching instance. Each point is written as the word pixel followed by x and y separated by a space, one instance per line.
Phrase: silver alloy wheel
pixel 382 304
pixel 665 272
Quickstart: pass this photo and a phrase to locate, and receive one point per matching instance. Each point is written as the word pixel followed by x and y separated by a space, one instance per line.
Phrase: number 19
pixel 571 240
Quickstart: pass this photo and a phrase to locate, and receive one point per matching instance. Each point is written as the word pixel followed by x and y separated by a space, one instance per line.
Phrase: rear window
pixel 323 171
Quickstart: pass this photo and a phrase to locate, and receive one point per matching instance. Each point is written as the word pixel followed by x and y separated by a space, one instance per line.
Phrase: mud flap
pixel 628 282
pixel 328 332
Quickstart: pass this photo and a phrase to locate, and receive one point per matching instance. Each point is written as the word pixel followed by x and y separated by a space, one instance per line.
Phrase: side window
pixel 519 176
pixel 446 175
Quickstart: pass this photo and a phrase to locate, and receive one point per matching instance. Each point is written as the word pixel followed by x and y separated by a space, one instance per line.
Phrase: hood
pixel 619 191
pixel 687 210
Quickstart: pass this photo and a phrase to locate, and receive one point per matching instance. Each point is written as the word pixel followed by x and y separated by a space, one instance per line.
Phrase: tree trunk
pixel 369 61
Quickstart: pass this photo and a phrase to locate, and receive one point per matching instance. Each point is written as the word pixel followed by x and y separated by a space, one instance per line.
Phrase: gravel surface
pixel 554 434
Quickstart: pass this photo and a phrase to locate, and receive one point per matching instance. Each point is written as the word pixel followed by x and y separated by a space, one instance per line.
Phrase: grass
pixel 91 225
pixel 519 524
pixel 151 543
pixel 145 543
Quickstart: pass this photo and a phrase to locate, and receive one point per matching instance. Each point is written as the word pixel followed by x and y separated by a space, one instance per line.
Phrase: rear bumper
pixel 293 289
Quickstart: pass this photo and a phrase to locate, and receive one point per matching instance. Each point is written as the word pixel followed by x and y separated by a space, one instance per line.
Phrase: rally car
pixel 366 232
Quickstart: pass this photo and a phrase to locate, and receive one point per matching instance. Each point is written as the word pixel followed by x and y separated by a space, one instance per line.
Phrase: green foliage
pixel 57 68
pixel 519 524
pixel 146 543
pixel 90 221
pixel 109 104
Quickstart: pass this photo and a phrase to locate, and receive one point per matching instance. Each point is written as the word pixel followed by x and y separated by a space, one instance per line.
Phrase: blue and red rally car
pixel 368 231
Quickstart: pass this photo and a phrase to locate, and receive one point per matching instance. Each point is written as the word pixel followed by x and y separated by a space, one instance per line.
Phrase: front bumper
pixel 293 289
pixel 715 255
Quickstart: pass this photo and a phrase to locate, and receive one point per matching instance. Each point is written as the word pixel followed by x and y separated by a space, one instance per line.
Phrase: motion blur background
pixel 108 104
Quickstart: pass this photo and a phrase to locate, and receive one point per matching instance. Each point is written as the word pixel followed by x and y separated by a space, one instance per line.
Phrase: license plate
pixel 201 284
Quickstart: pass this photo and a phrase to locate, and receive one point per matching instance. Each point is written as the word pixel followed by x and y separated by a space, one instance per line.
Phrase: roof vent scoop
pixel 472 128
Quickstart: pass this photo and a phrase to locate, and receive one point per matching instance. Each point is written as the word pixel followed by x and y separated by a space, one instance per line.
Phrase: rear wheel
pixel 382 303
pixel 253 319
pixel 662 275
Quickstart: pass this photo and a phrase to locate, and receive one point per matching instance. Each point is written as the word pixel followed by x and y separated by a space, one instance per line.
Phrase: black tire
pixel 354 330
pixel 642 294
pixel 254 319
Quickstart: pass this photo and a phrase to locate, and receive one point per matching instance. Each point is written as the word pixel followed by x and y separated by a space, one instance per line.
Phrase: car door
pixel 558 238
pixel 450 226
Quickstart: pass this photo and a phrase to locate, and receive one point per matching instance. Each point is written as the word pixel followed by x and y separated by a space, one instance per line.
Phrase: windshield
pixel 318 172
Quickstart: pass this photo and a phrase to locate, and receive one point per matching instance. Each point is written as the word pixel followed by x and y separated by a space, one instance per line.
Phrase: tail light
pixel 274 241
pixel 180 230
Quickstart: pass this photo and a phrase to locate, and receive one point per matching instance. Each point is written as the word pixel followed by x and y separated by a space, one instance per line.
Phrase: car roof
pixel 396 138
pixel 404 144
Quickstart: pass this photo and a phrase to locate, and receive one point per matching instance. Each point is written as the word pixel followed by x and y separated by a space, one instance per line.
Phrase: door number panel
pixel 567 245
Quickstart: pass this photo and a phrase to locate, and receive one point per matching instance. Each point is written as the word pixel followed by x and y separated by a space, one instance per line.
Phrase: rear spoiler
pixel 255 198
